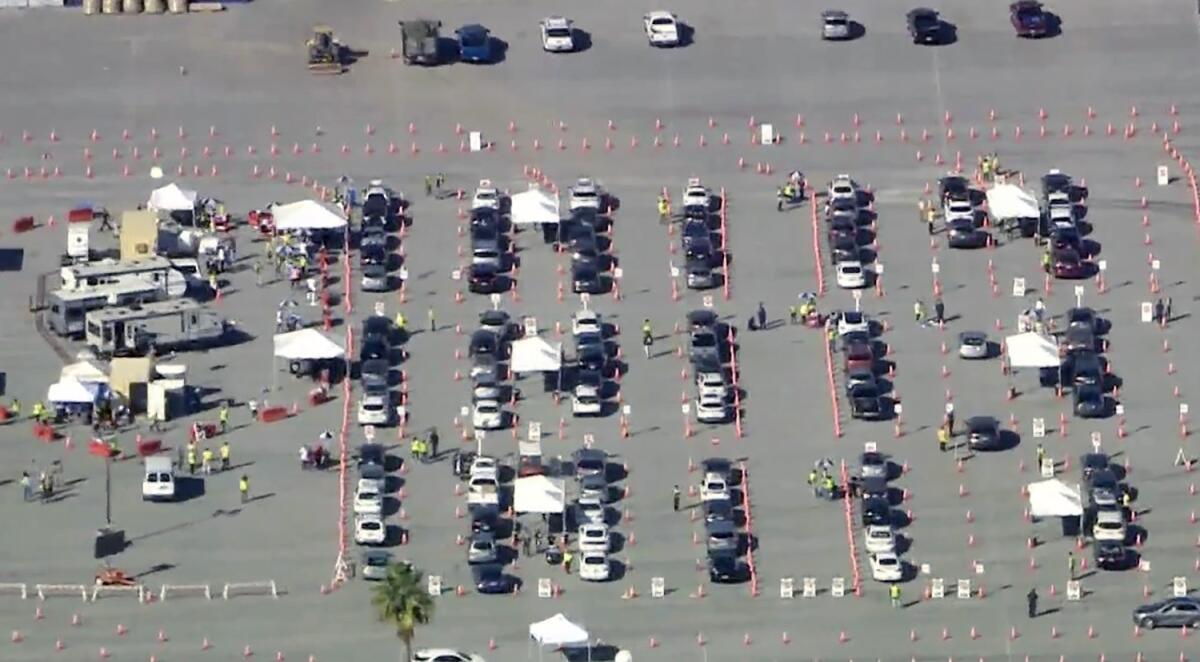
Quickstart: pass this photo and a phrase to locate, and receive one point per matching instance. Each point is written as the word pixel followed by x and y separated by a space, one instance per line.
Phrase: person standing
pixel 939 311
pixel 950 418
pixel 432 320
pixel 761 314
pixel 647 337
pixel 526 546
pixel 207 460
pixel 1158 312
pixel 675 496
pixel 894 593
pixel 1031 600
pixel 1041 456
pixel 1070 566
pixel 1167 311
pixel 943 438
pixel 225 456
pixel 919 312
pixel 192 460
pixel 812 482
pixel 537 539
pixel 223 417
pixel 244 488
pixel 26 486
pixel 930 218
pixel 428 185
pixel 433 442
pixel 566 561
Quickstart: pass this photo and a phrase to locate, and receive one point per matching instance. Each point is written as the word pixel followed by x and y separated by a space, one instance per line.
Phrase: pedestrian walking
pixel 950 418
pixel 1031 600
pixel 225 452
pixel 516 541
pixel 432 320
pixel 761 314
pixel 192 460
pixel 244 488
pixel 1167 311
pixel 919 312
pixel 433 442
pixel 223 417
pixel 206 458
pixel 930 218
pixel 1158 311
pixel 1041 456
pixel 526 546
pixel 1071 566
pixel 939 311
pixel 441 181
pixel 566 561
pixel 894 593
pixel 943 438
pixel 428 185
pixel 252 407
pixel 258 279
pixel 647 337
pixel 26 486
pixel 155 422
pixel 675 496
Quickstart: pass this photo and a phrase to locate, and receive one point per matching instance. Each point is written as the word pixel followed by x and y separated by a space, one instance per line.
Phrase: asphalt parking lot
pixel 248 91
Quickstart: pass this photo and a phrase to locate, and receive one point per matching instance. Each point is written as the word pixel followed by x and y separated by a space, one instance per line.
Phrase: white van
pixel 159 481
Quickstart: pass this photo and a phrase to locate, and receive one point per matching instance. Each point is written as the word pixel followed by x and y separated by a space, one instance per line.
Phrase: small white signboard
pixel 937 588
pixel 535 431
pixel 495 301
pixel 1074 591
pixel 1163 175
pixel 380 309
pixel 1147 312
pixel 1096 439
pixel 708 301
pixel 686 408
pixel 838 588
pixel 1156 264
pixel 963 589
pixel 433 584
pixel 1183 409
pixel 1079 296
pixel 1018 286
pixel 1179 587
pixel 531 327
pixel 618 273
pixel 809 587
pixel 1047 467
pixel 456 274
pixel 787 588
pixel 1103 265
pixel 870 447
pixel 475 141
pixel 589 440
pixel 878 268
pixel 1120 410
pixel 585 299
pixel 766 134
pixel 545 588
pixel 658 587
pixel 1039 428
pixel 935 267
pixel 369 432
pixel 857 301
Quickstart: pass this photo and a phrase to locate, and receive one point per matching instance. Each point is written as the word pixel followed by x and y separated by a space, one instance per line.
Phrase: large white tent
pixel 1011 201
pixel 535 207
pixel 1053 498
pixel 172 198
pixel 84 372
pixel 72 391
pixel 1032 350
pixel 306 215
pixel 536 355
pixel 558 630
pixel 306 344
pixel 539 495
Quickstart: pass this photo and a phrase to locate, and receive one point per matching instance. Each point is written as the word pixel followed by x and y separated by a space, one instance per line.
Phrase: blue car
pixel 474 43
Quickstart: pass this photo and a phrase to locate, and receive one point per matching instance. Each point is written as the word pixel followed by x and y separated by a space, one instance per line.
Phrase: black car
pixel 487 219
pixel 1066 238
pixel 587 216
pixel 1090 464
pixel 696 211
pixel 962 233
pixel 1085 368
pixel 585 278
pixel 874 487
pixel 377 328
pixel 843 228
pixel 983 433
pixel 865 403
pixel 1078 339
pixel 694 230
pixel 372 255
pixel 373 349
pixel 491 580
pixel 719 510
pixel 1110 555
pixel 1085 318
pixel 1028 18
pixel 1172 613
pixel 1104 490
pixel 1056 181
pixel 727 569
pixel 700 275
pixel 582 239
pixel 371 454
pixel 924 26
pixel 375 206
pixel 700 250
pixel 374 235
pixel 843 249
pixel 592 358
pixel 589 462
pixel 499 323
pixel 483 342
pixel 1089 402
pixel 876 512
pixel 954 187
pixel 484 519
pixel 374 373
pixel 484 278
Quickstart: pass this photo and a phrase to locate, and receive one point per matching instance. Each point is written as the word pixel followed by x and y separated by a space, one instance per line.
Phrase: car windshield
pixel 924 21
pixel 473 38
pixel 558 33
pixel 704 340
pixel 1027 12
pixel 836 21
pixel 851 269
pixel 662 22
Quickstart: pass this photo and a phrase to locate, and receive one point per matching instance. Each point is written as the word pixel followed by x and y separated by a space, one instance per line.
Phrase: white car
pixel 586 404
pixel 483 464
pixel 853 321
pixel 585 194
pixel 586 321
pixel 1110 525
pixel 662 28
pixel 851 275
pixel 879 539
pixel 711 408
pixel 594 538
pixel 696 195
pixel 713 385
pixel 843 186
pixel 374 409
pixel 367 501
pixel 369 529
pixel 487 415
pixel 594 566
pixel 886 567
pixel 959 209
pixel 444 655
pixel 714 487
pixel 486 196
pixel 558 35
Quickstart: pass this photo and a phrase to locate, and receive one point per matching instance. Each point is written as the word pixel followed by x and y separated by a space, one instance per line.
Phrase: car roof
pixel 982 421
pixel 377 555
pixel 922 11
pixel 703 317
pixel 556 22
pixel 659 13
pixel 473 28
pixel 721 526
pixel 972 335
pixel 834 13
pixel 590 454
pixel 872 457
pixel 493 316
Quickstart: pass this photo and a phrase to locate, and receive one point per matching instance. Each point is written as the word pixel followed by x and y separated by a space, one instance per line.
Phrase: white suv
pixel 558 36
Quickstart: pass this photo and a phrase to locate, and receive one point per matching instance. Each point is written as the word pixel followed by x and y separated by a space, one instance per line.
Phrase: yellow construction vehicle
pixel 325 53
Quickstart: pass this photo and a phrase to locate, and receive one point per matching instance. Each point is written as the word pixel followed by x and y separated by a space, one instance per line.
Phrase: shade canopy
pixel 536 355
pixel 306 344
pixel 533 207
pixel 1032 350
pixel 1010 201
pixel 306 215
pixel 558 630
pixel 539 494
pixel 1053 498
pixel 72 391
pixel 85 372
pixel 172 198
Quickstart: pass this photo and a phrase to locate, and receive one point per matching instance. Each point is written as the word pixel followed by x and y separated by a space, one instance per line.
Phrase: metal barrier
pixel 99 591
pixel 23 589
pixel 185 588
pixel 250 588
pixel 60 589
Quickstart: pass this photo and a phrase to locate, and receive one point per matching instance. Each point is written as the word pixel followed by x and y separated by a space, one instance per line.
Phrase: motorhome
pixel 152 327
pixel 108 272
pixel 66 309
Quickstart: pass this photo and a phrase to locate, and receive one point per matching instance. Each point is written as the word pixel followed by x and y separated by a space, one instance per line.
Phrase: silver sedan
pixel 973 345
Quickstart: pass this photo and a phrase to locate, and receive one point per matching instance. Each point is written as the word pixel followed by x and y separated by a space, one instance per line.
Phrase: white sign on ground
pixel 963 589
pixel 878 268
pixel 618 273
pixel 1018 287
pixel 434 585
pixel 369 432
pixel 857 301
pixel 708 301
pixel 495 301
pixel 1078 296
pixel 585 299
pixel 1047 467
pixel 935 267
pixel 1120 410
pixel 1183 409
pixel 1156 264
pixel 809 587
pixel 535 431
pixel 1103 264
pixel 475 141
pixel 545 588
pixel 1147 312
pixel 1179 587
pixel 456 274
pixel 1074 591
pixel 937 588
pixel 787 588
pixel 838 588
pixel 380 308
pixel 589 440
pixel 531 327
pixel 1039 428
pixel 870 447
pixel 658 587
pixel 766 134
pixel 686 407
pixel 1163 175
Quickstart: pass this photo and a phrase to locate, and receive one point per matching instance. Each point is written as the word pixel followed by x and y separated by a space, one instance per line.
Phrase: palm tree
pixel 402 600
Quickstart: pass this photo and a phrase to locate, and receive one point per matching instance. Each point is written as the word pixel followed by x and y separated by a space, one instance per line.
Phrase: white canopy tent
pixel 306 344
pixel 1053 498
pixel 72 391
pixel 84 372
pixel 534 354
pixel 172 198
pixel 1032 350
pixel 539 495
pixel 1011 201
pixel 306 215
pixel 558 631
pixel 535 207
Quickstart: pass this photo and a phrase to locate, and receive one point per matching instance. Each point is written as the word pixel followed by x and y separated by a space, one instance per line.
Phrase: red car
pixel 1068 264
pixel 859 356
pixel 1029 19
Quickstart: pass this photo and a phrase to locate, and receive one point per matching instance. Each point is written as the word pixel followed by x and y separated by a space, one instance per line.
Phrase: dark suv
pixel 924 26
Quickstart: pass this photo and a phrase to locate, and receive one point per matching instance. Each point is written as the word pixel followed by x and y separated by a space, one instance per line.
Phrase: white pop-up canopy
pixel 1053 498
pixel 535 355
pixel 172 198
pixel 539 494
pixel 72 391
pixel 306 215
pixel 306 344
pixel 534 207
pixel 558 630
pixel 1011 201
pixel 85 372
pixel 1032 350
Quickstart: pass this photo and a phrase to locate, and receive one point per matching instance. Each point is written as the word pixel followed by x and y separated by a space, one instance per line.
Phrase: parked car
pixel 1172 613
